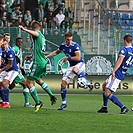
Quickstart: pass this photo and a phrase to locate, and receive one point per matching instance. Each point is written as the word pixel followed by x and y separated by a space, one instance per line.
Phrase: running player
pixel 124 61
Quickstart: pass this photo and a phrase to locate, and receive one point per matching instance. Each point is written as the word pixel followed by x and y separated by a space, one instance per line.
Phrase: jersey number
pixel 43 45
pixel 129 61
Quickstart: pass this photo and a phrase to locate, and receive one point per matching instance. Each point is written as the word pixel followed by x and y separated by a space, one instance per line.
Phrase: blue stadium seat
pixel 116 16
pixel 130 23
pixel 125 16
pixel 127 30
pixel 122 23
pixel 131 16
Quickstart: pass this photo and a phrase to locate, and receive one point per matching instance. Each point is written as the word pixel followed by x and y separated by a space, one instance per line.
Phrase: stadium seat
pixel 116 16
pixel 125 16
pixel 131 16
pixel 122 23
pixel 127 28
pixel 130 23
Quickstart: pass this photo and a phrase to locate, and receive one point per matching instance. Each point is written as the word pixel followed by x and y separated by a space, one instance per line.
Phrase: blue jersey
pixel 127 52
pixel 7 55
pixel 0 52
pixel 70 51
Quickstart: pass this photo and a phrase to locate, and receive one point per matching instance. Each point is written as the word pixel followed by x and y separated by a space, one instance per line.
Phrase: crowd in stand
pixel 52 14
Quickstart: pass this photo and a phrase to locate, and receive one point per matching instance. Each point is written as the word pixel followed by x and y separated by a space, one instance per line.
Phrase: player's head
pixel 68 38
pixel 36 25
pixel 127 40
pixel 1 39
pixel 4 44
pixel 19 42
pixel 7 36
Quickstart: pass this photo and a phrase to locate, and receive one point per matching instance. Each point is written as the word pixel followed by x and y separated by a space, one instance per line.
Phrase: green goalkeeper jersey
pixel 39 47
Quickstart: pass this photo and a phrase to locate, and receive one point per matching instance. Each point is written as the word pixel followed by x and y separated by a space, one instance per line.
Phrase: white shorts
pixel 112 85
pixel 10 76
pixel 68 75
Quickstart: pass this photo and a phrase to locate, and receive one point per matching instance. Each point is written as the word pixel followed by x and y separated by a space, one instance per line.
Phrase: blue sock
pixel 63 95
pixel 115 100
pixel 105 100
pixel 6 93
pixel 2 94
pixel 80 74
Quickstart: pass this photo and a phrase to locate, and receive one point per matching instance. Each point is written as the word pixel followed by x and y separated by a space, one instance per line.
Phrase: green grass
pixel 79 117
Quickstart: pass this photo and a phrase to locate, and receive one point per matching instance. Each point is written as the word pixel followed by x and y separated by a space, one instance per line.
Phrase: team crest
pixel 98 65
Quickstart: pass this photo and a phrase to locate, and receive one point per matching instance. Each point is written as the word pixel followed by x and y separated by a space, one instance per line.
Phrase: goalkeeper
pixel 77 65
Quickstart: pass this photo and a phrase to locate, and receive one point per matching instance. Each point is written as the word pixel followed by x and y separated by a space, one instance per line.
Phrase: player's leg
pixel 1 101
pixel 38 73
pixel 8 79
pixel 33 92
pixel 79 71
pixel 20 79
pixel 67 76
pixel 5 93
pixel 105 101
pixel 46 88
pixel 63 95
pixel 111 86
pixel 26 93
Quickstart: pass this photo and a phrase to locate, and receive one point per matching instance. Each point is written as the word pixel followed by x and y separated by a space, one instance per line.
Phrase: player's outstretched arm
pixel 53 53
pixel 29 31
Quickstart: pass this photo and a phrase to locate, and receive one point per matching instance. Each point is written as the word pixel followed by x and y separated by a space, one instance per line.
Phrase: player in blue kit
pixel 77 65
pixel 124 61
pixel 8 72
pixel 1 42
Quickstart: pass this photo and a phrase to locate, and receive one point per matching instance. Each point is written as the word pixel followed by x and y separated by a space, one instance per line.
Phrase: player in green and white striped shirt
pixel 20 78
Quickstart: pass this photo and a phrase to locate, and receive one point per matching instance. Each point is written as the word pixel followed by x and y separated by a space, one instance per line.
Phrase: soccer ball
pixel 82 82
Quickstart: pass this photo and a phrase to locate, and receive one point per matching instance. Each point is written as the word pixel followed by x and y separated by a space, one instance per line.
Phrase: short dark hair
pixel 18 38
pixel 128 38
pixel 1 37
pixel 36 25
pixel 68 34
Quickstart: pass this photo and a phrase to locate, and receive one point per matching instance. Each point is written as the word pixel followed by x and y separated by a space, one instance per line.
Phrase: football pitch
pixel 79 117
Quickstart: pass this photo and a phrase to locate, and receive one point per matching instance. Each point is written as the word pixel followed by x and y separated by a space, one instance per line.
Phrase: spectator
pixel 45 5
pixel 9 24
pixel 65 25
pixel 27 16
pixel 56 9
pixel 2 8
pixel 18 22
pixel 53 23
pixel 49 19
pixel 3 22
pixel 27 24
pixel 31 5
pixel 16 14
pixel 16 3
pixel 60 17
pixel 63 8
pixel 70 14
pixel 9 12
pixel 41 13
pixel 44 22
pixel 76 38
